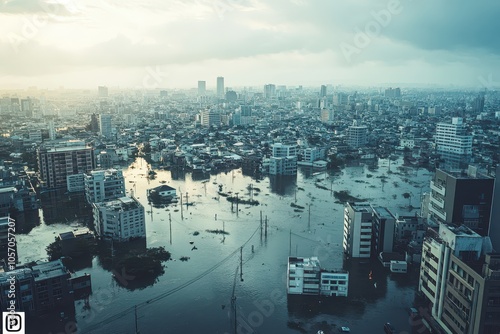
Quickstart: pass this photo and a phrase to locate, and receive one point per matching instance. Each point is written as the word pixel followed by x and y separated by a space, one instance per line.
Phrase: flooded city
pixel 204 289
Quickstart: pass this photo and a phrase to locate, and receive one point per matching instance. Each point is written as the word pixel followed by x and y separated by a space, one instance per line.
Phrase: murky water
pixel 195 296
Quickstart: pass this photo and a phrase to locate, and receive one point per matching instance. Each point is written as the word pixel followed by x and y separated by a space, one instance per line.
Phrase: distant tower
pixel 220 87
pixel 269 91
pixel 322 91
pixel 453 144
pixel 102 91
pixel 105 125
pixel 94 123
pixel 52 130
pixel 202 87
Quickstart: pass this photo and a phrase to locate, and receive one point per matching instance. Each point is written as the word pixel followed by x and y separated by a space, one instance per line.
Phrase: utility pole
pixel 309 220
pixel 170 223
pixel 237 204
pixel 187 200
pixel 136 324
pixel 182 215
pixel 290 248
pixel 223 231
pixel 260 225
pixel 241 263
pixel 265 231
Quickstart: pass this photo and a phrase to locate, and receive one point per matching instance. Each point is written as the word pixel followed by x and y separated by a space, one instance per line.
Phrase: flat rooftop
pixel 383 212
pixel 48 270
pixel 361 207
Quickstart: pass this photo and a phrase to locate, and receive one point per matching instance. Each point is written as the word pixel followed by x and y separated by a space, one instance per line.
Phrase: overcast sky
pixel 175 43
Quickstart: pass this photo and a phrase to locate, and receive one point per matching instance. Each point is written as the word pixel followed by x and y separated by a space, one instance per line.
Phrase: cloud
pixel 271 37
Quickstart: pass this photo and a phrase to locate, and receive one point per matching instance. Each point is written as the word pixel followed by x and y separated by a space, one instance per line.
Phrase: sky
pixel 174 43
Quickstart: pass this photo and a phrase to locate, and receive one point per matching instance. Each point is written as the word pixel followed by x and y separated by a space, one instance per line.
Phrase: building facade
pixel 104 185
pixel 462 199
pixel 283 160
pixel 55 163
pixel 357 135
pixel 357 240
pixel 453 144
pixel 120 219
pixel 306 277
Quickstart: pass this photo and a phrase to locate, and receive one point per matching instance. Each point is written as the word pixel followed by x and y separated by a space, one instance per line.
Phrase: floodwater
pixel 196 296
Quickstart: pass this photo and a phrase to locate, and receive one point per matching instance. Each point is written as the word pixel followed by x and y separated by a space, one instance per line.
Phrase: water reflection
pixel 74 204
pixel 283 185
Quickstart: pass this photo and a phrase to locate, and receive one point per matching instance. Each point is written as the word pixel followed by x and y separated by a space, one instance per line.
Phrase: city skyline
pixel 82 44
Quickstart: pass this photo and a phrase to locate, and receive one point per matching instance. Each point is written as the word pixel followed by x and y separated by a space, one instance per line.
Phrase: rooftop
pixel 48 270
pixel 382 212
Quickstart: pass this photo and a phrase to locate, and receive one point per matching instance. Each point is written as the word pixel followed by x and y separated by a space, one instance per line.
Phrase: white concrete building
pixel 305 277
pixel 119 219
pixel 210 117
pixel 357 135
pixel 104 185
pixel 453 144
pixel 437 249
pixel 357 239
pixel 283 160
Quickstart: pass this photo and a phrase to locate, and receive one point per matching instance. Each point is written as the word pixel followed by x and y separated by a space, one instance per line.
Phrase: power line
pixel 170 292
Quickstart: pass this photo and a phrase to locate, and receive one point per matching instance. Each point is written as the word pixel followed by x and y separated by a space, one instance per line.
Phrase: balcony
pixel 437 212
pixel 439 202
pixel 438 188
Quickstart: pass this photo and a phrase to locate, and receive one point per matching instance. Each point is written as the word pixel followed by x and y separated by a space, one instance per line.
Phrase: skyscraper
pixel 220 87
pixel 322 92
pixel 102 91
pixel 105 128
pixel 269 91
pixel 202 88
pixel 453 145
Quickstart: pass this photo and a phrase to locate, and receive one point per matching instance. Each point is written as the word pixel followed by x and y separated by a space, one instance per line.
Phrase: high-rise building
pixel 453 144
pixel 102 91
pixel 393 93
pixel 202 88
pixel 59 161
pixel 269 91
pixel 94 123
pixel 27 107
pixel 105 125
pixel 220 87
pixel 358 224
pixel 339 99
pixel 460 277
pixel 283 160
pixel 119 219
pixel 383 230
pixel 322 92
pixel 52 130
pixel 210 118
pixel 104 185
pixel 494 228
pixel 478 104
pixel 357 135
pixel 461 199
pixel 327 115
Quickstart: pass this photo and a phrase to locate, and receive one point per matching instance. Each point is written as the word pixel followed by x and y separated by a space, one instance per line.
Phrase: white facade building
pixel 435 264
pixel 104 185
pixel 305 277
pixel 119 219
pixel 283 160
pixel 453 144
pixel 209 118
pixel 357 135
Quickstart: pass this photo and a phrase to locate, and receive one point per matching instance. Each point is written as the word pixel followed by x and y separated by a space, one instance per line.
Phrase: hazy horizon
pixel 173 44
